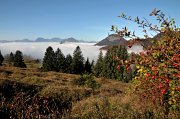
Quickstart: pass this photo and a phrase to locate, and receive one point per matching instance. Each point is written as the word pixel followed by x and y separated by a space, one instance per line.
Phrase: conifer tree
pixel 1 59
pixel 18 60
pixel 122 53
pixel 111 63
pixel 11 57
pixel 59 61
pixel 107 65
pixel 68 63
pixel 87 66
pixel 49 60
pixel 78 61
pixel 98 68
pixel 92 66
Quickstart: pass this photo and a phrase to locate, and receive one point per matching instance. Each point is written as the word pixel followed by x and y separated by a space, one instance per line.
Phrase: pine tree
pixel 98 68
pixel 122 53
pixel 92 66
pixel 11 57
pixel 112 68
pixel 78 61
pixel 1 59
pixel 107 65
pixel 68 64
pixel 87 66
pixel 18 60
pixel 59 61
pixel 49 60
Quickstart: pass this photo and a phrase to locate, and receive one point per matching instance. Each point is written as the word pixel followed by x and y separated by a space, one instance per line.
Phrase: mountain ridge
pixel 113 39
pixel 41 39
pixel 55 39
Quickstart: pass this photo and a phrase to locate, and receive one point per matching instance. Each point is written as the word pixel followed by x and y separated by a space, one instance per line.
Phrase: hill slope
pixel 112 39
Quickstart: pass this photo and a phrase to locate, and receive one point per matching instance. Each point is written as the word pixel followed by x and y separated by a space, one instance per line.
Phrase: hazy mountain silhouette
pixel 40 39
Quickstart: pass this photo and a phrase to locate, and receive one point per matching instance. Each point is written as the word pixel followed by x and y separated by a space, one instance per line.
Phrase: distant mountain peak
pixel 55 39
pixel 113 39
pixel 24 40
pixel 71 39
pixel 40 39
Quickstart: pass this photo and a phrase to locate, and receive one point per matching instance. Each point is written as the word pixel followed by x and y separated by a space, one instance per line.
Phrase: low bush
pixel 21 101
pixel 86 80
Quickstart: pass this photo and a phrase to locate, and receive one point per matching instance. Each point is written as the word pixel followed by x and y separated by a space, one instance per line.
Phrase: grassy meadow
pixel 31 93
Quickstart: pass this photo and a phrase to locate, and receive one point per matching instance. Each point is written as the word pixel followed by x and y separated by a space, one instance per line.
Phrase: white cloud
pixel 37 50
pixel 135 48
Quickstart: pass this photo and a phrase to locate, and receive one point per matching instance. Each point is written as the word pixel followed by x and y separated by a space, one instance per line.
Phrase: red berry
pixel 153 68
pixel 160 85
pixel 148 75
pixel 127 68
pixel 178 88
pixel 174 59
pixel 118 67
pixel 165 66
pixel 167 81
pixel 163 91
pixel 175 65
pixel 153 77
pixel 179 75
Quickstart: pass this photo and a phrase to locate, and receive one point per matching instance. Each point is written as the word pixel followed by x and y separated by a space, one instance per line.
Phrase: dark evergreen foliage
pixel 87 67
pixel 112 66
pixel 99 65
pixel 11 57
pixel 18 60
pixel 121 52
pixel 78 61
pixel 107 65
pixel 67 64
pixel 59 61
pixel 1 59
pixel 87 80
pixel 92 66
pixel 49 60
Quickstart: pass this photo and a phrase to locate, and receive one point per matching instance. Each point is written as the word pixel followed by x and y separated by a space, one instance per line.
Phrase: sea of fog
pixel 37 49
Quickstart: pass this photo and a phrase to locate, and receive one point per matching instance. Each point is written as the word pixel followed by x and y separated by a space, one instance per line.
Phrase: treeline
pixel 14 59
pixel 57 61
pixel 114 64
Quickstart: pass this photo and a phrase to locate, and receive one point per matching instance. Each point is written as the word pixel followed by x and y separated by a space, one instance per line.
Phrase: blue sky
pixel 82 19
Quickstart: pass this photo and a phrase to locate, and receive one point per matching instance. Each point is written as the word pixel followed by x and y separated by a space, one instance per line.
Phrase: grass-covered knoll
pixel 29 92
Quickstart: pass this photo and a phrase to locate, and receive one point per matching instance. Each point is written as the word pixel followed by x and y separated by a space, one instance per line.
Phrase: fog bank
pixel 37 50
